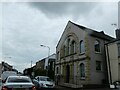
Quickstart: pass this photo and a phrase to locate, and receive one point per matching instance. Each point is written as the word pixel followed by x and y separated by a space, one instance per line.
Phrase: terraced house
pixel 113 58
pixel 81 56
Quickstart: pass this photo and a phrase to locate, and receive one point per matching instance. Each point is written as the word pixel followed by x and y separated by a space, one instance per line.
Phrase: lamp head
pixel 41 45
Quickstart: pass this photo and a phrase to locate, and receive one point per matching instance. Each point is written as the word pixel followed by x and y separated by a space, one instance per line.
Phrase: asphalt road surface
pixel 65 88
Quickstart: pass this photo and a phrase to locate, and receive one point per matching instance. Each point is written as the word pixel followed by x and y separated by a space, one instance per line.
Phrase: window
pixel 82 70
pixel 82 47
pixel 97 46
pixel 64 50
pixel 18 80
pixel 98 65
pixel 119 49
pixel 68 46
pixel 58 55
pixel 61 52
pixel 73 47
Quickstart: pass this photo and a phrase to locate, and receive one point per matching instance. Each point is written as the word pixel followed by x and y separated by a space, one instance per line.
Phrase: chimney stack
pixel 118 34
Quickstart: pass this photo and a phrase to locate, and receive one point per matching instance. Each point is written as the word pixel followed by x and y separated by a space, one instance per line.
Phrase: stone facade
pixel 81 56
pixel 46 62
pixel 40 64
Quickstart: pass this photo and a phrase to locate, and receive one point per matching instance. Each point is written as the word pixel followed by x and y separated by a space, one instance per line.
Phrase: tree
pixel 40 72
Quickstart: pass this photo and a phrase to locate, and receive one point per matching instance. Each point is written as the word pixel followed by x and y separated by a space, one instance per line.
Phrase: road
pixel 65 88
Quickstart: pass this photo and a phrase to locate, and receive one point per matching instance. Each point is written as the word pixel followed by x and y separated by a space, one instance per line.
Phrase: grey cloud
pixel 52 9
pixel 119 14
pixel 29 28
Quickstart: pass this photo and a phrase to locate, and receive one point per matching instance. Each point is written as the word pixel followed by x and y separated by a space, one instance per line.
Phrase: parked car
pixel 5 74
pixel 45 82
pixel 18 83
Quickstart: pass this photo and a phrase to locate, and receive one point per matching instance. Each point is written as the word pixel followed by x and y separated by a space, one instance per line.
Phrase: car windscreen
pixel 45 79
pixel 18 80
pixel 48 79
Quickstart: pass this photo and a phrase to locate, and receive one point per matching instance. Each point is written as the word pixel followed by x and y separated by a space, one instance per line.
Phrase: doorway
pixel 67 74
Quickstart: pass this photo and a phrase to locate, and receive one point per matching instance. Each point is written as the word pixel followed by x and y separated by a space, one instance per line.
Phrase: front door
pixel 67 74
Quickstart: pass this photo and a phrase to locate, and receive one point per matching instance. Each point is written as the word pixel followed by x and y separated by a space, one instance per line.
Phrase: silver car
pixel 18 83
pixel 45 82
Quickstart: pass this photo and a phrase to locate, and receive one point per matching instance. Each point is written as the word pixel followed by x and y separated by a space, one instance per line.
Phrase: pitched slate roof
pixel 94 33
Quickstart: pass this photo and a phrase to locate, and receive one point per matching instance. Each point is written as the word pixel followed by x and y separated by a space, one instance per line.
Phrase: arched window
pixel 73 47
pixel 61 53
pixel 97 46
pixel 64 51
pixel 82 70
pixel 68 47
pixel 82 47
pixel 58 57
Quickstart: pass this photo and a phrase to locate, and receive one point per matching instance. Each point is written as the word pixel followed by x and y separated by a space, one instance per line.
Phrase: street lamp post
pixel 48 55
pixel 31 64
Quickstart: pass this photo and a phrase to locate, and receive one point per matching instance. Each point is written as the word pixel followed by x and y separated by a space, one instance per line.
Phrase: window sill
pixel 68 55
pixel 72 54
pixel 97 52
pixel 99 71
pixel 62 58
pixel 82 78
pixel 82 53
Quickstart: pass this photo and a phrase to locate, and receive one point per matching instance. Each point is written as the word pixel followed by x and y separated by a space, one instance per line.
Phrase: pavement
pixel 66 88
pixel 59 86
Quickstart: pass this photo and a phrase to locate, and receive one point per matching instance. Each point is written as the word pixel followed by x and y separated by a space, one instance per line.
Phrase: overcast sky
pixel 27 25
